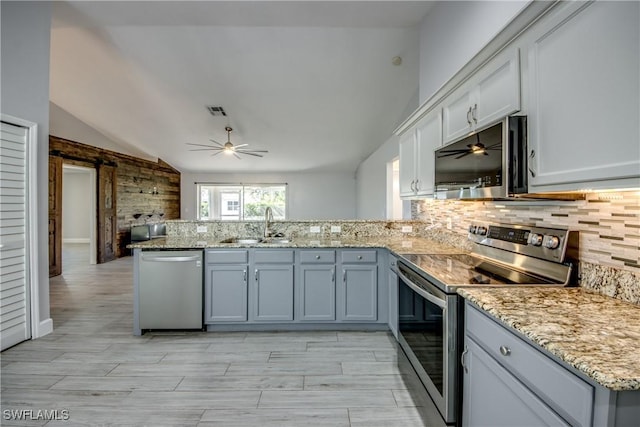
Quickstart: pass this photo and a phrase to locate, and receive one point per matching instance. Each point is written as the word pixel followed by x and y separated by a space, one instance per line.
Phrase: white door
pixel 14 261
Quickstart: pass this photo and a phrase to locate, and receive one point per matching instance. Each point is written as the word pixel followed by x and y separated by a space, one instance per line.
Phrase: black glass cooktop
pixel 466 270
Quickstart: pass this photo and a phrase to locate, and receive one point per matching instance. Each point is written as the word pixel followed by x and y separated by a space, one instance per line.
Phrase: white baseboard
pixel 76 240
pixel 44 328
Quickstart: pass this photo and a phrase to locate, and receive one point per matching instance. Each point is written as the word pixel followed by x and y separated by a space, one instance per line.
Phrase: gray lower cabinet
pixel 272 293
pixel 225 293
pixel 317 292
pixel 543 392
pixel 359 286
pixel 494 397
pixel 226 285
pixel 286 286
pixel 510 381
pixel 393 296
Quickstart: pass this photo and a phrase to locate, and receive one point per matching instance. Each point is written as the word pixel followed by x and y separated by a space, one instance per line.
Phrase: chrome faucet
pixel 268 218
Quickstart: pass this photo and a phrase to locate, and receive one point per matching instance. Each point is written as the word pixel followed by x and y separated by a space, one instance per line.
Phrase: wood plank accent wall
pixel 136 179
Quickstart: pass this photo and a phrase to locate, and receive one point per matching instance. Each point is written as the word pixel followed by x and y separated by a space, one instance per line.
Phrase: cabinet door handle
pixel 464 353
pixel 317 256
pixel 531 157
pixel 359 256
pixel 417 185
pixel 244 275
pixel 412 182
pixel 333 275
pixel 256 274
pixel 344 276
pixel 505 351
pixel 474 113
pixel 469 116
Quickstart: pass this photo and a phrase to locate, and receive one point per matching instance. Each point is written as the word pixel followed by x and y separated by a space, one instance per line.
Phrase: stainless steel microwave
pixel 488 164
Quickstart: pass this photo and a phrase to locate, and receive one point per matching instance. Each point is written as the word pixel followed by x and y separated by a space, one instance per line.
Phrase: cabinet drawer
pixel 273 256
pixel 227 257
pixel 317 256
pixel 349 257
pixel 569 395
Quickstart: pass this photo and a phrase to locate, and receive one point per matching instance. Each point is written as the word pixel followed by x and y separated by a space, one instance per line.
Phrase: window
pixel 241 202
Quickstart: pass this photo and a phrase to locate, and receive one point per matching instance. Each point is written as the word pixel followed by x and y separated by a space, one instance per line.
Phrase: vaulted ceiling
pixel 312 82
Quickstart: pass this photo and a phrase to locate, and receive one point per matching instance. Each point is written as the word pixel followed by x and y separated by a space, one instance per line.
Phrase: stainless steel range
pixel 430 312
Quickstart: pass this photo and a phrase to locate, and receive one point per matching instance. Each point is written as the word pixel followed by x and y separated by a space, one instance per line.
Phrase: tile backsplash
pixel 608 223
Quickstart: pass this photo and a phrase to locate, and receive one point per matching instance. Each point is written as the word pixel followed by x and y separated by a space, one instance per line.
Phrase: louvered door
pixel 14 263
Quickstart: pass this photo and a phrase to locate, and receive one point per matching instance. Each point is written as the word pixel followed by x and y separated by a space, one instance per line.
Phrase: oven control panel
pixel 540 242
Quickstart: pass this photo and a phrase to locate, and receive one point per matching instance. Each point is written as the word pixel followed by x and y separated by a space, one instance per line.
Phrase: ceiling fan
pixel 477 148
pixel 228 148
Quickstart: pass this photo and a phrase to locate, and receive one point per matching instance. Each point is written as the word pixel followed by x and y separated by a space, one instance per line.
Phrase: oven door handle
pixel 423 293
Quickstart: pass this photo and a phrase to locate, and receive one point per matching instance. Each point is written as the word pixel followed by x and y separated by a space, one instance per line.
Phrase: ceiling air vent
pixel 216 111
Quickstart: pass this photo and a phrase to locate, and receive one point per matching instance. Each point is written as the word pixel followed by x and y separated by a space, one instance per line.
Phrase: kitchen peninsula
pixel 567 331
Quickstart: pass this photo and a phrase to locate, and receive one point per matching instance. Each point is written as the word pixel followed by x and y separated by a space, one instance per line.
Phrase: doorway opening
pixel 394 202
pixel 79 215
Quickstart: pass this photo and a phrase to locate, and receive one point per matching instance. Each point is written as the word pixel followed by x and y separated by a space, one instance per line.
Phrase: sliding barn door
pixel 55 216
pixel 106 213
pixel 15 325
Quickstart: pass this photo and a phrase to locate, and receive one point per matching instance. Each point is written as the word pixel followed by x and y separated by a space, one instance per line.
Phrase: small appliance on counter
pixel 141 233
pixel 430 318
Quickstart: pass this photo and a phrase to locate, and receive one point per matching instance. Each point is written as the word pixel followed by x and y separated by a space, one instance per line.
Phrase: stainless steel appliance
pixel 488 164
pixel 169 290
pixel 430 312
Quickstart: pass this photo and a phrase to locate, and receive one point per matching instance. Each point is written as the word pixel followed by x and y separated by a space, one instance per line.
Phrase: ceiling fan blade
pixel 216 142
pixel 200 145
pixel 238 157
pixel 251 153
pixel 463 150
pixel 215 154
pixel 246 150
pixel 241 145
pixel 463 155
pixel 206 149
pixel 442 155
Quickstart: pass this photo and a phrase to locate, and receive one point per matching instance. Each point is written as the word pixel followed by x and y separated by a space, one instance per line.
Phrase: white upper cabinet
pixel 584 108
pixel 417 147
pixel 408 163
pixel 489 95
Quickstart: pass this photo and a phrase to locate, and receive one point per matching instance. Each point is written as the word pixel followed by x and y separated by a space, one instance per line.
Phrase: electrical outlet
pixel 201 229
pixel 314 229
pixel 449 224
pixel 336 229
pixel 407 229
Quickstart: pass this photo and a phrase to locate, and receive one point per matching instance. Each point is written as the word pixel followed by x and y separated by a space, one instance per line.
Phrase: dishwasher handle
pixel 155 258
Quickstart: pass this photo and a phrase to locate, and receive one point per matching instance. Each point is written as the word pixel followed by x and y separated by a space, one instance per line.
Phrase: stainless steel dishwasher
pixel 170 290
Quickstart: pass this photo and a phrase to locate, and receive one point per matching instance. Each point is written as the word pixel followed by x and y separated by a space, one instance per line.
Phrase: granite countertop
pixel 413 245
pixel 596 334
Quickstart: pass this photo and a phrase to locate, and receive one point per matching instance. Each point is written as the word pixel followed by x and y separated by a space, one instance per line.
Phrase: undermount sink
pixel 242 240
pixel 255 240
pixel 275 241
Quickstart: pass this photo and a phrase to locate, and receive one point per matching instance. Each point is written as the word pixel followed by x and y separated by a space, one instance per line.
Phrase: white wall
pixel 371 181
pixel 64 125
pixel 311 195
pixel 76 206
pixel 25 34
pixel 450 35
pixel 453 32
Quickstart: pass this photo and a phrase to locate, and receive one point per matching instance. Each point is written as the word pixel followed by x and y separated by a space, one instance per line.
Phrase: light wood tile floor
pixel 93 367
